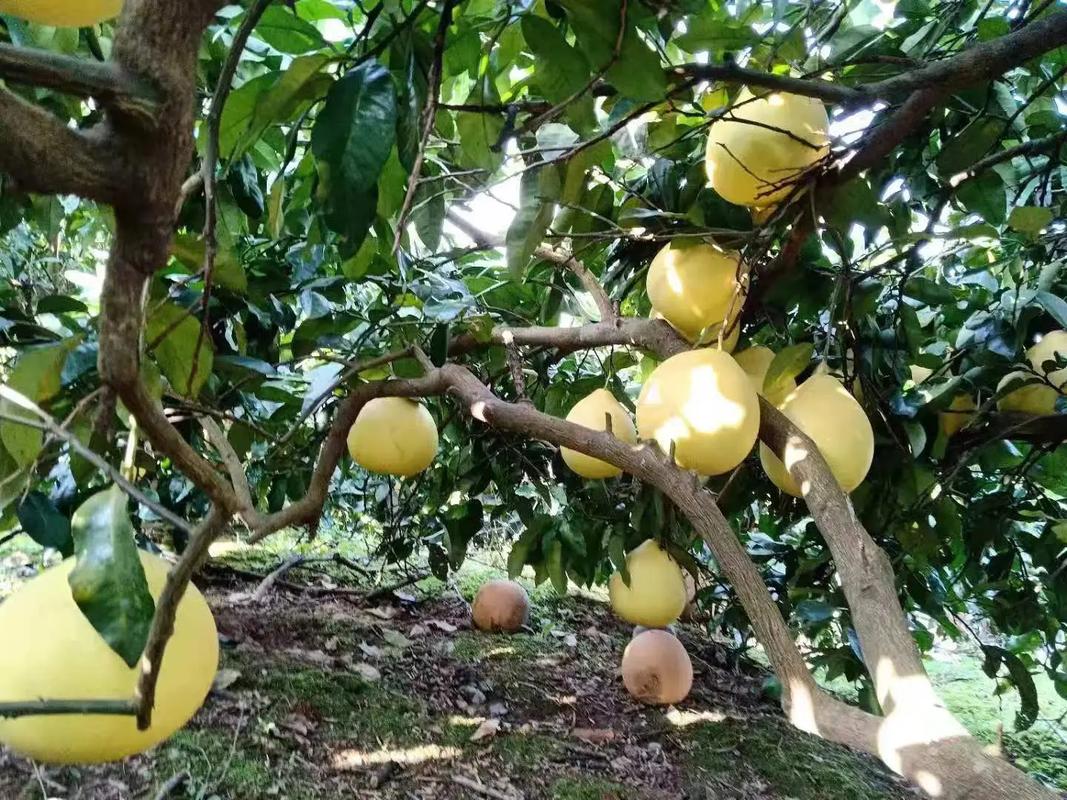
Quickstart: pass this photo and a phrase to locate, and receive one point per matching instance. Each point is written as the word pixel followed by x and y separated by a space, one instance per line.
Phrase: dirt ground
pixel 322 694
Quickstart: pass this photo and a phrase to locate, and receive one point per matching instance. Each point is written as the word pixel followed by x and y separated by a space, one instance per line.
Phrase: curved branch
pixel 115 89
pixel 43 155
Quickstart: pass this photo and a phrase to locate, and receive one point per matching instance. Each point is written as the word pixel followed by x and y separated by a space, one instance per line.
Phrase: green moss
pixel 588 788
pixel 475 647
pixel 216 766
pixel 794 764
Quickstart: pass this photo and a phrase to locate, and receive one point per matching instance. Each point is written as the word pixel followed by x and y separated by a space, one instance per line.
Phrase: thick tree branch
pixel 43 155
pixel 115 89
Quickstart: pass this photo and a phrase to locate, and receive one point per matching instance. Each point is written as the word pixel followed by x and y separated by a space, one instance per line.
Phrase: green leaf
pixel 478 133
pixel 238 114
pixel 554 566
pixel 717 36
pixel 353 136
pixel 60 304
pixel 787 364
pixel 971 144
pixel 1020 678
pixel 560 70
pixel 463 522
pixel 520 552
pixel 812 612
pixel 538 189
pixel 927 291
pixel 275 208
pixel 984 196
pixel 37 377
pixel 637 72
pixel 284 31
pixel 175 352
pixel 302 82
pixel 43 523
pixel 1054 305
pixel 228 270
pixel 410 99
pixel 1029 219
pixel 108 581
pixel 243 180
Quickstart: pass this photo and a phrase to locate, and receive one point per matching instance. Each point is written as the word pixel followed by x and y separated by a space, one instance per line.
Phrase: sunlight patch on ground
pixel 682 719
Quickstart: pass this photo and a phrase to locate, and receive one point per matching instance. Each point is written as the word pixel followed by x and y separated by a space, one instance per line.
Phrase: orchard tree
pixel 228 228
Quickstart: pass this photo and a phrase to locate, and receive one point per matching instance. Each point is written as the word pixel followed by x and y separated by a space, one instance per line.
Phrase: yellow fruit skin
pixel 824 410
pixel 656 595
pixel 393 436
pixel 589 412
pixel 703 402
pixel 51 651
pixel 62 13
pixel 952 420
pixel 752 165
pixel 1051 343
pixel 694 287
pixel 1037 399
pixel 755 361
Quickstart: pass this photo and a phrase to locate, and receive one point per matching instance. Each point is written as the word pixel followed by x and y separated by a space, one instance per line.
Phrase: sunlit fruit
pixel 394 436
pixel 500 606
pixel 62 13
pixel 758 150
pixel 958 414
pixel 693 285
pixel 1051 345
pixel 592 411
pixel 755 361
pixel 1032 397
pixel 656 669
pixel 824 410
pixel 703 404
pixel 656 594
pixel 52 652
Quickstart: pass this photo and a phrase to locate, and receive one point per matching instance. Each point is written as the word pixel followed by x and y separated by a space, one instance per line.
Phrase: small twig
pixel 208 168
pixel 429 115
pixel 166 609
pixel 32 708
pixel 49 424
pixel 265 585
pixel 236 471
pixel 171 786
pixel 385 591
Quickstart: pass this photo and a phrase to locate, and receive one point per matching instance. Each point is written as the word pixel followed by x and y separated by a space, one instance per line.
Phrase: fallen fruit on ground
pixel 824 410
pixel 393 436
pixel 957 415
pixel 1034 397
pixel 63 13
pixel 694 285
pixel 592 412
pixel 656 594
pixel 1052 344
pixel 703 403
pixel 656 669
pixel 500 605
pixel 763 144
pixel 755 361
pixel 52 652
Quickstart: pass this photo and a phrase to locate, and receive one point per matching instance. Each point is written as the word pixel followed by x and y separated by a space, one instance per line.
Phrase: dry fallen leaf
pixel 395 639
pixel 225 678
pixel 370 651
pixel 594 735
pixel 331 644
pixel 367 671
pixel 486 729
pixel 441 625
pixel 382 612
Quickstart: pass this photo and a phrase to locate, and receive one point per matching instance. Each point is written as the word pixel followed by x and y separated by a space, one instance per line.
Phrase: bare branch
pixel 166 609
pixel 246 507
pixel 808 87
pixel 30 708
pixel 115 89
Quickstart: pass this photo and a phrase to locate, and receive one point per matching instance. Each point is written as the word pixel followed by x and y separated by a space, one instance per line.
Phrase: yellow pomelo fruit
pixel 590 412
pixel 751 161
pixel 1051 344
pixel 62 13
pixel 1034 398
pixel 394 436
pixel 694 287
pixel 957 415
pixel 824 410
pixel 755 361
pixel 52 652
pixel 656 594
pixel 704 403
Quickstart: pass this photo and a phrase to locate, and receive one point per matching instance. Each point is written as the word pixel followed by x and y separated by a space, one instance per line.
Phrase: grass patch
pixel 797 766
pixel 217 767
pixel 588 788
